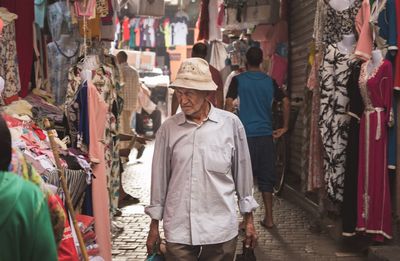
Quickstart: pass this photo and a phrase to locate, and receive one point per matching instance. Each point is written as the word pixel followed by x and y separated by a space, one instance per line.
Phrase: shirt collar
pixel 212 116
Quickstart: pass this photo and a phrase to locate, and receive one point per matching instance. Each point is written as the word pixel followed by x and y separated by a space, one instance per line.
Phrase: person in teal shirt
pixel 25 227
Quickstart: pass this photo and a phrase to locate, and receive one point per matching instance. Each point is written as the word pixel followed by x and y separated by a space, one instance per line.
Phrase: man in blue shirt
pixel 256 92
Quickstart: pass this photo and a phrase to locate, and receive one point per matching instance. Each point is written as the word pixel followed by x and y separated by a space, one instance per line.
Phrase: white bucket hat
pixel 194 73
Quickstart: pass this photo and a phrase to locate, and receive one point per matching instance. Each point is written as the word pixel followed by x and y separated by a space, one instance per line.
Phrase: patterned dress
pixel 9 63
pixel 339 23
pixel 373 196
pixel 333 119
pixel 334 73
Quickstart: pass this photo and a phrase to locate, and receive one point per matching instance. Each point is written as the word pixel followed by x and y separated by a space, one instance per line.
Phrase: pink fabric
pixel 97 121
pixel 278 69
pixel 221 15
pixel 281 33
pixel 373 196
pixel 364 44
pixel 263 32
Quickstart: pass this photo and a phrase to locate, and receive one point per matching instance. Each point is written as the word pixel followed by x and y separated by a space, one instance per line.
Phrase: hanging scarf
pixel 204 20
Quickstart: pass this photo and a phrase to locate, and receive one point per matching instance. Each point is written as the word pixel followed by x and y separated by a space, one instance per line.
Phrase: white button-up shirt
pixel 197 171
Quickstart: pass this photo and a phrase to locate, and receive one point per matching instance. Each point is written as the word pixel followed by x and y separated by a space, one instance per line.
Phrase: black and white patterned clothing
pixel 333 119
pixel 339 23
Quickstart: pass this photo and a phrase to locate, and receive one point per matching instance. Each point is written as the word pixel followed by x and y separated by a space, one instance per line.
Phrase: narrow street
pixel 291 239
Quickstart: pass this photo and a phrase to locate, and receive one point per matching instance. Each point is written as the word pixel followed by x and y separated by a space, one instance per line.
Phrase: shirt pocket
pixel 218 159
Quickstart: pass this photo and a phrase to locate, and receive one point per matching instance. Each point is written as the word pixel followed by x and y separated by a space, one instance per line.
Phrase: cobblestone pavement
pixel 291 239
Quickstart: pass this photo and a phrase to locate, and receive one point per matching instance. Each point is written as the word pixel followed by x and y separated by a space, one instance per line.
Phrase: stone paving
pixel 291 239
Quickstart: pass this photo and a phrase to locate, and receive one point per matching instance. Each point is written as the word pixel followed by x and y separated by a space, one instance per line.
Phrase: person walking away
pixel 26 232
pixel 201 161
pixel 256 92
pixel 215 97
pixel 129 94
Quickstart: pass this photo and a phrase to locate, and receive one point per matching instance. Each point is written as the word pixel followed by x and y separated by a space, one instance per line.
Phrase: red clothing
pixel 204 21
pixel 373 195
pixel 216 76
pixel 24 38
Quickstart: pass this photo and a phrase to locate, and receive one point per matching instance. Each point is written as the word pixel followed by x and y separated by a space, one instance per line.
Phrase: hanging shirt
pixel 180 33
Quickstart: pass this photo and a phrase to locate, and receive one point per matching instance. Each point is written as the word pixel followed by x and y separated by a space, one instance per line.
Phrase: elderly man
pixel 215 97
pixel 201 161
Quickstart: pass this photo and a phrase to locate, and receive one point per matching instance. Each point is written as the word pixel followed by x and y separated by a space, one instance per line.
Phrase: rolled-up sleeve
pixel 160 175
pixel 242 172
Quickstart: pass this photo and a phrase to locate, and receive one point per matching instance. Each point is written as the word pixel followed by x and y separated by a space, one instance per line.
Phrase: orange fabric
pixel 97 121
pixel 364 44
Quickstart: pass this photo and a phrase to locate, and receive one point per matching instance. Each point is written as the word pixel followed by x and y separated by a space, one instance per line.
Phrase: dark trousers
pixel 216 252
pixel 155 117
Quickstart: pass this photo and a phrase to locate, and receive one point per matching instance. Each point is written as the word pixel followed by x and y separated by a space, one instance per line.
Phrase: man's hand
pixel 153 238
pixel 279 132
pixel 251 234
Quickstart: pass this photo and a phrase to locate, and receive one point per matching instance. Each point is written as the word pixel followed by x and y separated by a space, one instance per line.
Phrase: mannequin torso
pixel 376 60
pixel 347 45
pixel 340 5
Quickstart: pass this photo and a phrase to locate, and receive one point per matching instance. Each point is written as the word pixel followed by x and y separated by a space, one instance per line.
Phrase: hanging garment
pixel 204 21
pixel 383 24
pixel 24 39
pixel 339 23
pixel 218 55
pixel 319 24
pixel 60 58
pixel 278 69
pixel 364 43
pixel 214 30
pixel 180 34
pixel 167 34
pixel 356 108
pixel 315 166
pixel 373 195
pixel 334 120
pixel 9 70
pixel 107 25
pixel 40 9
pixel 102 8
pixel 97 122
pixel 59 19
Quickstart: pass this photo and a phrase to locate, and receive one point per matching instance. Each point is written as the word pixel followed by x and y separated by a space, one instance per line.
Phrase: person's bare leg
pixel 268 219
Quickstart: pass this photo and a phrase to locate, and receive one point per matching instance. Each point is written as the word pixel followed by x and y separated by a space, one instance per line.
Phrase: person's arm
pixel 231 95
pixel 174 104
pixel 280 95
pixel 160 175
pixel 243 177
pixel 153 238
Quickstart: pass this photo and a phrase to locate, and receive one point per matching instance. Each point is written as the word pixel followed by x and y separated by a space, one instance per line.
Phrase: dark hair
pixel 122 57
pixel 254 56
pixel 199 50
pixel 5 145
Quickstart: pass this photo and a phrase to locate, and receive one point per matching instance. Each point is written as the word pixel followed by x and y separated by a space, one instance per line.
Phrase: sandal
pixel 262 223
